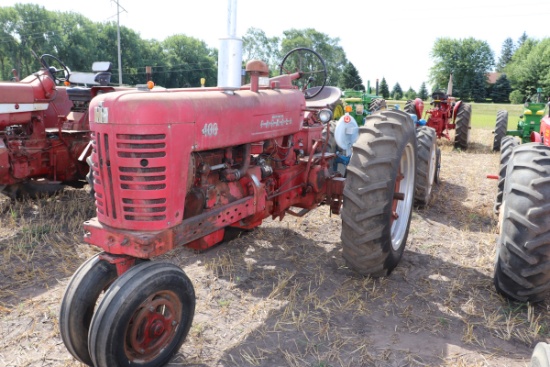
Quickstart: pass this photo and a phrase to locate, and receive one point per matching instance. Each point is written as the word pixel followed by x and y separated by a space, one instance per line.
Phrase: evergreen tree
pixel 350 78
pixel 397 92
pixel 505 54
pixel 501 90
pixel 410 94
pixel 384 89
pixel 478 87
pixel 423 92
pixel 522 39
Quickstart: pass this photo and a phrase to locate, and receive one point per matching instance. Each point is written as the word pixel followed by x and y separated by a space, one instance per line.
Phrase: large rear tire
pixel 379 193
pixel 426 169
pixel 508 143
pixel 377 104
pixel 143 318
pixel 501 127
pixel 522 270
pixel 463 126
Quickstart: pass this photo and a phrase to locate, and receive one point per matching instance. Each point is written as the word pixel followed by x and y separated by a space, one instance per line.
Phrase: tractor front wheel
pixel 143 318
pixel 463 126
pixel 507 146
pixel 426 142
pixel 522 269
pixel 501 127
pixel 79 300
pixel 379 193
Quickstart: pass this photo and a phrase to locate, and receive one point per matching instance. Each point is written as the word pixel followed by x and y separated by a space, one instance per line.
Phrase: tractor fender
pixel 535 137
pixel 419 107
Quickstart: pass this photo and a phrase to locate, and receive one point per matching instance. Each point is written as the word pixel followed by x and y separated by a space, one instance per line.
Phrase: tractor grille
pixel 132 176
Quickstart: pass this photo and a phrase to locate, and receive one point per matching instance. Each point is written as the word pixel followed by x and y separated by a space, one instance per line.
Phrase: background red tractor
pixel 44 127
pixel 445 114
pixel 180 167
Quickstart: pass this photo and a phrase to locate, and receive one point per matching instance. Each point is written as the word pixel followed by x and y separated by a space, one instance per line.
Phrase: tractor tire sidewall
pixel 108 329
pixel 369 193
pixel 522 269
pixel 501 127
pixel 508 143
pixel 462 126
pixel 541 355
pixel 426 164
pixel 437 178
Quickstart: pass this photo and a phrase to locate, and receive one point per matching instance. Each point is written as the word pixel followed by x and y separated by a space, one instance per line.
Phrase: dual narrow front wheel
pixel 142 319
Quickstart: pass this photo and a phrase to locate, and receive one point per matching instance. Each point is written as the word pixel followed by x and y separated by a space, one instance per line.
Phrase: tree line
pixel 181 61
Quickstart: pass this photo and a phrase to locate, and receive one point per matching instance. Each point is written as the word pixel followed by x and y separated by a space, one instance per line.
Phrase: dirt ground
pixel 282 294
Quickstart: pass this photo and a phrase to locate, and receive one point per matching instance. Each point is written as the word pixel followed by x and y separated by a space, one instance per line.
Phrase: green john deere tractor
pixel 529 121
pixel 362 104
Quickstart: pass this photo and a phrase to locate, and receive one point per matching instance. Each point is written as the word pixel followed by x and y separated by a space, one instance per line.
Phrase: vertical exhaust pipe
pixel 230 53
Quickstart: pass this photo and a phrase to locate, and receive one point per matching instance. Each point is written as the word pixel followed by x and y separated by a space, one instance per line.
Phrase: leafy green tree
pixel 328 48
pixel 530 67
pixel 397 92
pixel 501 90
pixel 26 28
pixel 189 60
pixel 423 92
pixel 505 54
pixel 464 58
pixel 384 90
pixel 410 94
pixel 350 78
pixel 516 97
pixel 478 87
pixel 256 45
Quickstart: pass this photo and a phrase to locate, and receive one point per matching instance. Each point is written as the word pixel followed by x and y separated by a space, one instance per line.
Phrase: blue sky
pixel 390 39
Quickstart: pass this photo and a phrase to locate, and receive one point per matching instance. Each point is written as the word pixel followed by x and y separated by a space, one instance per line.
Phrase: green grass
pixel 484 115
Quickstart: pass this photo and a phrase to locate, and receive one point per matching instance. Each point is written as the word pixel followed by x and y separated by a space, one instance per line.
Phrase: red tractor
pixel 179 167
pixel 44 128
pixel 445 115
pixel 522 269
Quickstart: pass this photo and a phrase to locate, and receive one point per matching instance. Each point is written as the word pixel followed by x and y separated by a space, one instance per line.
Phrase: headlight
pixel 325 115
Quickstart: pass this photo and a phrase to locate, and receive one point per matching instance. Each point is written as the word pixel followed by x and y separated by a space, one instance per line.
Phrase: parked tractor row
pixel 44 127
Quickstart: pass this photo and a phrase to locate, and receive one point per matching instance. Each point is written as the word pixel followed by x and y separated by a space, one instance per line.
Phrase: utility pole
pixel 118 40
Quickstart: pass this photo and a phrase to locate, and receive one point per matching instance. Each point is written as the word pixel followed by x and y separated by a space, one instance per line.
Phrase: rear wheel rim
pixel 404 184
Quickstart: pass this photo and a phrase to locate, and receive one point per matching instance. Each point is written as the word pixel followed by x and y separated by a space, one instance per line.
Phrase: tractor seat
pixel 80 94
pixel 439 96
pixel 327 97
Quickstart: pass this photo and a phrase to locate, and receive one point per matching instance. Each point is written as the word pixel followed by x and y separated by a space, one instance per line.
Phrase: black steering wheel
pixel 54 71
pixel 311 68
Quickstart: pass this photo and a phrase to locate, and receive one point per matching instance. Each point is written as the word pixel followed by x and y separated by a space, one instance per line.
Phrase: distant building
pixel 493 77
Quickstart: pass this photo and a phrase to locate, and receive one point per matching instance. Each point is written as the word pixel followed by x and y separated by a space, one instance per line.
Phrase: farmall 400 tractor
pixel 44 128
pixel 179 167
pixel 522 270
